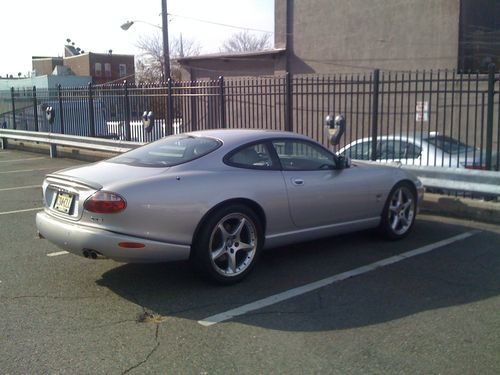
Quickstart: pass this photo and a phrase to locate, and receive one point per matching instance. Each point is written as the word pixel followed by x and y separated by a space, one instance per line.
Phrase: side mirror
pixel 50 114
pixel 148 120
pixel 335 127
pixel 343 162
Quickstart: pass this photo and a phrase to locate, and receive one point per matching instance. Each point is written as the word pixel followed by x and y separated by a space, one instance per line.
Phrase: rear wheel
pixel 228 244
pixel 399 211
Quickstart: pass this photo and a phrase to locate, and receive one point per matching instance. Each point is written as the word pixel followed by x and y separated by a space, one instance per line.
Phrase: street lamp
pixel 164 28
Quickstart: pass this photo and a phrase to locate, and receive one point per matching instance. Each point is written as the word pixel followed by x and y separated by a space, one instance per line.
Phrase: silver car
pixel 220 197
pixel 431 149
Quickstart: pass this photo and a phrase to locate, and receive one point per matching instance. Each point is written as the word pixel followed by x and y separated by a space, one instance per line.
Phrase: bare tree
pixel 246 42
pixel 150 64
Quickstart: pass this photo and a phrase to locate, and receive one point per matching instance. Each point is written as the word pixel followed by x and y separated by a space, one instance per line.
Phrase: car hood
pixel 104 173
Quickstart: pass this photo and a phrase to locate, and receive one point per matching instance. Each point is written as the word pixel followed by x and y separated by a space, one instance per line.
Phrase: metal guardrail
pixel 450 179
pixel 458 179
pixel 55 139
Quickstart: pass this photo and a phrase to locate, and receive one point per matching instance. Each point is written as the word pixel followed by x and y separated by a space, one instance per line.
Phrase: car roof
pixel 234 137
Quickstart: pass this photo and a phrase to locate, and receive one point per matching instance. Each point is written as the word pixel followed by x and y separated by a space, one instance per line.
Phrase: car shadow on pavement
pixel 461 273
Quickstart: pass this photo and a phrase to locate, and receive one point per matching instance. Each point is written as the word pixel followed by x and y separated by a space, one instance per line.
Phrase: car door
pixel 319 193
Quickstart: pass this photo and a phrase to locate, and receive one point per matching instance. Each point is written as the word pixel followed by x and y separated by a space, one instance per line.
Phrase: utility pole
pixel 166 54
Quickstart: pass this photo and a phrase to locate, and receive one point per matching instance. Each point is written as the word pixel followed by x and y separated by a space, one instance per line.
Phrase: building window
pixel 98 69
pixel 479 35
pixel 107 70
pixel 123 70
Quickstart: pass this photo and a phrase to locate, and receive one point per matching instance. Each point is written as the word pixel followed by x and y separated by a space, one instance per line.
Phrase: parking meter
pixel 148 120
pixel 50 114
pixel 335 127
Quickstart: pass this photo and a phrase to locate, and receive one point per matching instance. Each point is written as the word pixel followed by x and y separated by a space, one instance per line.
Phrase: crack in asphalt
pixel 149 354
pixel 143 361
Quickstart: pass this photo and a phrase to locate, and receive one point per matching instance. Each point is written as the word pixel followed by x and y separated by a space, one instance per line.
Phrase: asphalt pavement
pixel 348 304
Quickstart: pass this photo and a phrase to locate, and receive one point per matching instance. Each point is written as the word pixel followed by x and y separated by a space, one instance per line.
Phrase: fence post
pixel 35 108
pixel 170 109
pixel 489 118
pixel 288 102
pixel 91 110
pixel 222 104
pixel 376 81
pixel 127 111
pixel 13 108
pixel 61 112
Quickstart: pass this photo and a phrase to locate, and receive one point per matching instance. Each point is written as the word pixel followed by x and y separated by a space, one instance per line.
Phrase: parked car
pixel 218 198
pixel 432 149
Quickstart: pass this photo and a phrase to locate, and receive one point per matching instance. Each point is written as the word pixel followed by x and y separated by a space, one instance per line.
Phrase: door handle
pixel 297 181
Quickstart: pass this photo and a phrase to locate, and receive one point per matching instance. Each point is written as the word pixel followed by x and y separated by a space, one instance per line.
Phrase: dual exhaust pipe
pixel 92 254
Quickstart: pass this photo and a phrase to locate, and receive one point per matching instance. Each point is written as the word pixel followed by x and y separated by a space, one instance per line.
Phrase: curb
pixel 461 208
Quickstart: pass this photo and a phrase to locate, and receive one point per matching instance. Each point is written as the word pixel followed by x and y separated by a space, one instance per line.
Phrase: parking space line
pixel 271 300
pixel 26 170
pixel 19 211
pixel 21 187
pixel 16 160
pixel 57 253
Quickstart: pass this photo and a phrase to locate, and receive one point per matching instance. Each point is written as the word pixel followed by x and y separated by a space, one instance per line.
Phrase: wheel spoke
pixel 407 204
pixel 404 221
pixel 245 246
pixel 224 233
pixel 394 222
pixel 237 232
pixel 219 252
pixel 400 197
pixel 231 262
pixel 393 208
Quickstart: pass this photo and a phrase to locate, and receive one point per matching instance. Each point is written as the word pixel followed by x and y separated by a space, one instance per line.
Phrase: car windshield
pixel 169 151
pixel 449 145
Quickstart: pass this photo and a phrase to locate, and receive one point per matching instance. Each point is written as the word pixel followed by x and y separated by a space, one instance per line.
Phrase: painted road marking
pixel 18 211
pixel 22 187
pixel 57 253
pixel 27 170
pixel 214 319
pixel 16 160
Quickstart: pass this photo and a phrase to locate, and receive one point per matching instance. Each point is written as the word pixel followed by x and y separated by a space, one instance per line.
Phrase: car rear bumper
pixel 77 239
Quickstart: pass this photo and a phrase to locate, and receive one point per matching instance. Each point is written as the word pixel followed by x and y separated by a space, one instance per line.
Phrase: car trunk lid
pixel 66 191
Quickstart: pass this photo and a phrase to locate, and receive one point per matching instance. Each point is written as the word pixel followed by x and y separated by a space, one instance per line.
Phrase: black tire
pixel 399 212
pixel 228 244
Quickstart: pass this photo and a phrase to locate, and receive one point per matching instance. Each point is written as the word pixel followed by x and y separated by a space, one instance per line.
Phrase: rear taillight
pixel 105 202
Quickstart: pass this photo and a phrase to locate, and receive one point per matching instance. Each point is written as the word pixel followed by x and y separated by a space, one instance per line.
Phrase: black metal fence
pixel 459 112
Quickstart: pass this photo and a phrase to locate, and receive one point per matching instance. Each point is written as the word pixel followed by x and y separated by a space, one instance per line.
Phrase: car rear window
pixel 449 145
pixel 169 151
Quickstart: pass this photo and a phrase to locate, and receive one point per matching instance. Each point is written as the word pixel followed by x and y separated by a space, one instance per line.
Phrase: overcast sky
pixel 40 28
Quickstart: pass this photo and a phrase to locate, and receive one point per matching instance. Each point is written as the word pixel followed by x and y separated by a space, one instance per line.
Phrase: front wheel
pixel 228 244
pixel 399 212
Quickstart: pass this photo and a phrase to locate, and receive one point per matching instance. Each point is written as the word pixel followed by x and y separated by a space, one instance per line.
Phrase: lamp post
pixel 166 53
pixel 164 29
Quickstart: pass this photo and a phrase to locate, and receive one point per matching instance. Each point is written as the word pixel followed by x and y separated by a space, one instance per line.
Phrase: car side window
pixel 360 151
pixel 413 151
pixel 255 157
pixel 303 155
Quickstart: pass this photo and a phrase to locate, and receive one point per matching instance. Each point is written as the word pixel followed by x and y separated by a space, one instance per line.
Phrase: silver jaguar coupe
pixel 219 198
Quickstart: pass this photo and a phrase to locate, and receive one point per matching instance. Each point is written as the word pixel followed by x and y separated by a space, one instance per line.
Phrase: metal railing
pixel 385 111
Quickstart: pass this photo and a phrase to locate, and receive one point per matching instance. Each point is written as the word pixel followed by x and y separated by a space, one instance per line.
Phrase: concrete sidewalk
pixel 461 208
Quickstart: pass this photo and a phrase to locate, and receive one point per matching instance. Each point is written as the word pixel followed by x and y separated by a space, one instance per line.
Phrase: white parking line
pixel 57 253
pixel 21 187
pixel 16 160
pixel 214 319
pixel 18 211
pixel 27 170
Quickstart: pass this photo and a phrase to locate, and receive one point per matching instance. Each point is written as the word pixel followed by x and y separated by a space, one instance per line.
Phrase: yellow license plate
pixel 63 202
